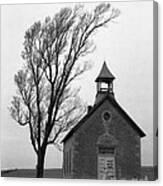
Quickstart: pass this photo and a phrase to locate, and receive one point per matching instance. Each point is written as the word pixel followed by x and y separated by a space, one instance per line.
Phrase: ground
pixel 148 171
pixel 30 173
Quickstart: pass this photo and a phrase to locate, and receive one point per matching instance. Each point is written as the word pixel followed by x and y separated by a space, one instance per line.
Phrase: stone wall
pixel 84 148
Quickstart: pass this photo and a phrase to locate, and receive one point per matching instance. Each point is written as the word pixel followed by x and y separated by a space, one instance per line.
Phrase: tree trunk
pixel 40 163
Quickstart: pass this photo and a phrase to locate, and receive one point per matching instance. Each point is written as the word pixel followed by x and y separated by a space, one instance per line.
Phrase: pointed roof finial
pixel 105 74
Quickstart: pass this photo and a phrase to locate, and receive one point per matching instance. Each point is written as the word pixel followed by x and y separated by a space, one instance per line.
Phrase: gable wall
pixel 85 149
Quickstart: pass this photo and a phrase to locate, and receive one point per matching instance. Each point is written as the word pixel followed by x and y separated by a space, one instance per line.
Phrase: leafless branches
pixel 52 50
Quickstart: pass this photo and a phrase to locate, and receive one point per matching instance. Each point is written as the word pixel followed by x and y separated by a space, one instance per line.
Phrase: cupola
pixel 104 83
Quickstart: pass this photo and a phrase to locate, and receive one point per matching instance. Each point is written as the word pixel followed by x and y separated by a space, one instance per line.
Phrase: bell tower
pixel 104 83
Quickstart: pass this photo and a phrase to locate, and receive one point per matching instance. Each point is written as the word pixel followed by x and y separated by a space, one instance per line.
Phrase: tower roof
pixel 105 74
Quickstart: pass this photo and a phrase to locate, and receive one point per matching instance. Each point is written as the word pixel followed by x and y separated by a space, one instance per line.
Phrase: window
pixel 104 86
pixel 111 88
pixel 67 163
pixel 69 160
pixel 106 116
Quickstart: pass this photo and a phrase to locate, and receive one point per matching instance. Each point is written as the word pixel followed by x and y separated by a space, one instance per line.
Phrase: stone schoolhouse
pixel 106 143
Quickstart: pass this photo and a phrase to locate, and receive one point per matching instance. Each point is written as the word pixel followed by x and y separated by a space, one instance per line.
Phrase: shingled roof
pixel 119 109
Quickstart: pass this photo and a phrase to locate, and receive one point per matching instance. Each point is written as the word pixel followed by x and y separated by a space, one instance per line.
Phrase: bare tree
pixel 53 50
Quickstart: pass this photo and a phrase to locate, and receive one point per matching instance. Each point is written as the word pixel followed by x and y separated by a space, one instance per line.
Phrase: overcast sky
pixel 127 47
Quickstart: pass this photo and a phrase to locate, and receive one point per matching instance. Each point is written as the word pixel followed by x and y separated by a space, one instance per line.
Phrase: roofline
pixel 138 129
pixel 82 120
pixel 107 76
pixel 104 79
pixel 114 103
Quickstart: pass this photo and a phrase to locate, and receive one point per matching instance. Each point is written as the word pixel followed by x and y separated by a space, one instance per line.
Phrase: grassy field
pixel 30 173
